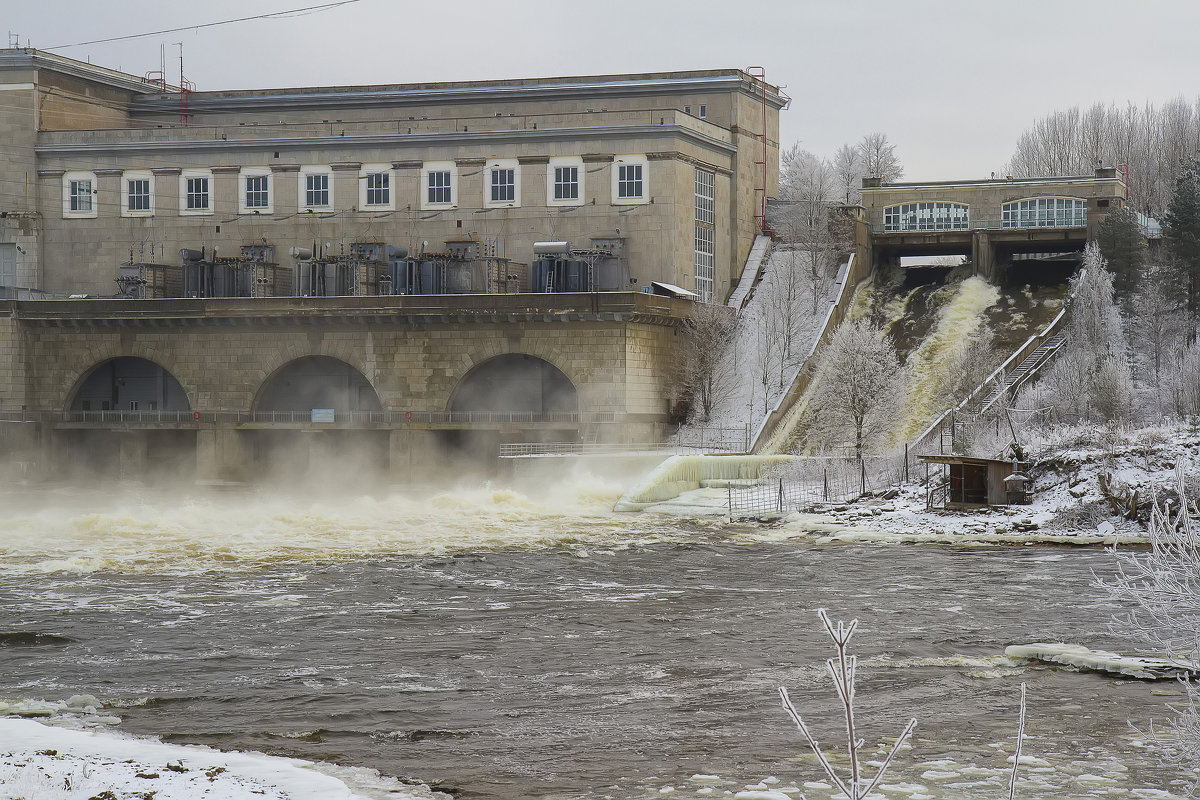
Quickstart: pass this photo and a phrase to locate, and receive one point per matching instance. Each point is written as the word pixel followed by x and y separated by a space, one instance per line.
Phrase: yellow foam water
pixel 957 322
pixel 136 531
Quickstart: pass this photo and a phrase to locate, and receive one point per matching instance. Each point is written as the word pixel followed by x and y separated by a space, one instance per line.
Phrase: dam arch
pixel 515 383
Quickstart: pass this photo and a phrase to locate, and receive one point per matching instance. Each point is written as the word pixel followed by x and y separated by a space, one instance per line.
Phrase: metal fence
pixel 812 483
pixel 715 439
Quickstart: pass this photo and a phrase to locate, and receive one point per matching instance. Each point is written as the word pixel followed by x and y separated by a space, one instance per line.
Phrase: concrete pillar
pixel 53 458
pixel 983 255
pixel 221 455
pixel 413 453
pixel 134 447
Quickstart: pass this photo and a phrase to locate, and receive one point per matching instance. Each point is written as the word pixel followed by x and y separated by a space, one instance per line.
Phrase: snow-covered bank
pixel 52 763
pixel 1069 505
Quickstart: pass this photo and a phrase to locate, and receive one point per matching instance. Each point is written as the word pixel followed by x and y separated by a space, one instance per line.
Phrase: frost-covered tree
pixel 1183 380
pixel 805 177
pixel 1156 322
pixel 707 372
pixel 1124 248
pixel 843 669
pixel 1161 588
pixel 860 389
pixel 1183 237
pixel 879 159
pixel 1091 379
pixel 848 167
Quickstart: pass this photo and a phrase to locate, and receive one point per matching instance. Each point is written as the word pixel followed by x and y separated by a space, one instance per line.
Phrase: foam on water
pixel 956 323
pixel 138 530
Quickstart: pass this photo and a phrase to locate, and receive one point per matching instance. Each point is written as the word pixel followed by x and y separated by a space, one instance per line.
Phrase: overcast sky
pixel 951 82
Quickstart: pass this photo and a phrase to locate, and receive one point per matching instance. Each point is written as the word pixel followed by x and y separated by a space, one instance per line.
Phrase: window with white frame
pixel 379 188
pixel 706 196
pixel 629 181
pixel 566 183
pixel 137 194
pixel 316 190
pixel 705 261
pixel 256 191
pixel 503 184
pixel 439 187
pixel 80 194
pixel 196 193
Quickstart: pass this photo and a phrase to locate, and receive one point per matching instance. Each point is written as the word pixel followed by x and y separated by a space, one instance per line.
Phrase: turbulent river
pixel 495 645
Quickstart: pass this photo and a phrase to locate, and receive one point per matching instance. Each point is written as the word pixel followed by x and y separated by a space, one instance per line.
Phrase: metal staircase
pixel 1025 370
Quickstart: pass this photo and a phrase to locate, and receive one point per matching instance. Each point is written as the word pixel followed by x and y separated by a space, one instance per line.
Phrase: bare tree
pixel 707 370
pixel 804 176
pixel 879 159
pixel 860 388
pixel 1160 586
pixel 843 670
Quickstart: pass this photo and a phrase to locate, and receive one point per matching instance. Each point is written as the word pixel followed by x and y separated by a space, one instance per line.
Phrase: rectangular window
pixel 629 180
pixel 197 194
pixel 139 194
pixel 81 195
pixel 439 187
pixel 504 185
pixel 706 195
pixel 378 189
pixel 705 261
pixel 316 190
pixel 566 183
pixel 703 111
pixel 257 192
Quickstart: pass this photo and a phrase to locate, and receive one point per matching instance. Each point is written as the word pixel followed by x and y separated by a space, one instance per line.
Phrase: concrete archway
pixel 317 382
pixel 515 383
pixel 128 383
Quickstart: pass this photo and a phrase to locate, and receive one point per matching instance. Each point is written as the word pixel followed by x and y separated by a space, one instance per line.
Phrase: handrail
pixel 1019 355
pixel 307 417
pixel 804 376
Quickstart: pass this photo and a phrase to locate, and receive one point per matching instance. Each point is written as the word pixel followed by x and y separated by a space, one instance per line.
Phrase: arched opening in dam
pixel 129 385
pixel 519 398
pixel 317 382
pixel 310 415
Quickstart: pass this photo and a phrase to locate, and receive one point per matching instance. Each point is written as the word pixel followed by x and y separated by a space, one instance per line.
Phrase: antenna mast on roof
pixel 186 87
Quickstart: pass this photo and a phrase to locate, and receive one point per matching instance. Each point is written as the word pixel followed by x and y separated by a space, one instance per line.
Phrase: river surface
pixel 495 645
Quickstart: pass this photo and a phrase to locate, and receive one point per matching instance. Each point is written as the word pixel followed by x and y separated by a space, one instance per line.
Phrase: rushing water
pixel 501 646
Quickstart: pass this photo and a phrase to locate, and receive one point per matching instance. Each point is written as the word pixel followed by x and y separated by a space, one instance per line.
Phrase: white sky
pixel 952 82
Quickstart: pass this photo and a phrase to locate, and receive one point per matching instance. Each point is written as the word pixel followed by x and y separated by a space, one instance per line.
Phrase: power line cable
pixel 295 12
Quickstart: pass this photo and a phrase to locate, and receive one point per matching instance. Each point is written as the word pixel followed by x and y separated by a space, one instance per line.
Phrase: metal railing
pixel 984 225
pixel 523 449
pixel 735 439
pixel 305 417
pixel 821 481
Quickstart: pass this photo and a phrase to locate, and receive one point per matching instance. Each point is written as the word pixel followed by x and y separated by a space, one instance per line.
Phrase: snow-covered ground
pixel 1068 505
pixel 48 762
pixel 745 402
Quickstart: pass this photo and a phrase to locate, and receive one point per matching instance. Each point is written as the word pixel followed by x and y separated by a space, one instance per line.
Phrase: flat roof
pixel 996 182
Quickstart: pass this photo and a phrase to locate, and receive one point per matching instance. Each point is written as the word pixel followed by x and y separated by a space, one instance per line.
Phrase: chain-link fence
pixel 813 482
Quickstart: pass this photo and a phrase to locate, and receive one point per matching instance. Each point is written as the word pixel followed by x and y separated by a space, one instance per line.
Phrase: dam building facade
pixel 639 178
pixel 206 280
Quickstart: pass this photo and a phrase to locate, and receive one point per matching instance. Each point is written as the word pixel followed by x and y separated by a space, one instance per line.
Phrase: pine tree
pixel 1183 235
pixel 1124 248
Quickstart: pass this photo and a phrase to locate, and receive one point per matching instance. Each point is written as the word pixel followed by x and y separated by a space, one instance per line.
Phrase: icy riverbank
pixel 53 763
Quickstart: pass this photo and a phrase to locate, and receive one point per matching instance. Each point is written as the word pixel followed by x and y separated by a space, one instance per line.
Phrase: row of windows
pixel 1045 212
pixel 438 189
pixel 926 217
pixel 705 256
pixel 1033 212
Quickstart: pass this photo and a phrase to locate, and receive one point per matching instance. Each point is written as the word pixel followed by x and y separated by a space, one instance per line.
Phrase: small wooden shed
pixel 971 482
